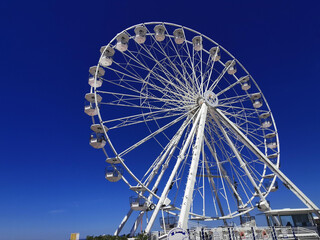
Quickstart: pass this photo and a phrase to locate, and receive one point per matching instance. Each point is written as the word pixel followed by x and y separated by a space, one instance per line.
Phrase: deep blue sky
pixel 51 180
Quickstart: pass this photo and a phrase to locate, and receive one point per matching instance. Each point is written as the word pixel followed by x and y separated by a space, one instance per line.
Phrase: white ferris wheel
pixel 185 126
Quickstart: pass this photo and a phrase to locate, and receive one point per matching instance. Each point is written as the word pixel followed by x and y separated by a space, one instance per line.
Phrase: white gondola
pixel 97 140
pixel 98 128
pixel 93 69
pixel 231 65
pixel 141 33
pixel 138 203
pixel 272 157
pixel 169 222
pixel 268 176
pixel 113 174
pixel 265 119
pixel 256 100
pixel 159 32
pixel 114 160
pixel 95 82
pixel 179 36
pixel 107 56
pixel 273 188
pixel 215 54
pixel 90 107
pixel 271 140
pixel 197 43
pixel 245 83
pixel 91 97
pixel 138 188
pixel 122 42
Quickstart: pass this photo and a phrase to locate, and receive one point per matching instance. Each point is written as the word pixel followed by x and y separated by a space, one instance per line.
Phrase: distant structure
pixel 205 135
pixel 74 236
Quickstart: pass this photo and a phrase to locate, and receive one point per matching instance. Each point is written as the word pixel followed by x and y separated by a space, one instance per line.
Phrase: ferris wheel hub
pixel 211 99
pixel 200 101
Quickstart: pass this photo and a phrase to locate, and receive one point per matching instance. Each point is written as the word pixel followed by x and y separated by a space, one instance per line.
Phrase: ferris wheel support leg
pixel 187 199
pixel 136 224
pixel 124 220
pixel 168 154
pixel 165 192
pixel 271 166
pixel 241 162
pixel 215 191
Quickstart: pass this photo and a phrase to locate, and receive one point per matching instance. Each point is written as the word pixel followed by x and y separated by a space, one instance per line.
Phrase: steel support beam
pixel 266 161
pixel 123 222
pixel 187 199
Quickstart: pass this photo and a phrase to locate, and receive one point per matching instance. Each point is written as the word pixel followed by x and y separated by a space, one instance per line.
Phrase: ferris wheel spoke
pixel 216 195
pixel 169 76
pixel 250 110
pixel 167 155
pixel 241 162
pixel 191 78
pixel 132 97
pixel 171 64
pixel 244 120
pixel 209 71
pixel 152 135
pixel 140 118
pixel 221 174
pixel 142 80
pixel 233 100
pixel 129 98
pixel 191 62
pixel 214 154
pixel 154 119
pixel 251 134
pixel 149 95
pixel 229 87
pixel 185 75
pixel 217 80
pixel 131 105
pixel 195 65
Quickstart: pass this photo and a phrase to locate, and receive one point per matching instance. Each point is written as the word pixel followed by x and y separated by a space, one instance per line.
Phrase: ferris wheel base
pixel 242 232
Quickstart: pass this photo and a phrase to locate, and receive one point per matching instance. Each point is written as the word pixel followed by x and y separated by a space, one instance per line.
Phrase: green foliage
pixel 142 236
pixel 107 237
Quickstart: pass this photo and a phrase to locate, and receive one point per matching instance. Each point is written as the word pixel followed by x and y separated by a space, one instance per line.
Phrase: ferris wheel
pixel 184 125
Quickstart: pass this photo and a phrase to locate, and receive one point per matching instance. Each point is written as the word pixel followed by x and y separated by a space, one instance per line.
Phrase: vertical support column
pixel 187 199
pixel 167 155
pixel 165 192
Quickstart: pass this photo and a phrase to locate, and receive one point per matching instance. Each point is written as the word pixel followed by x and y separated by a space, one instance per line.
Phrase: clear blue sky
pixel 52 182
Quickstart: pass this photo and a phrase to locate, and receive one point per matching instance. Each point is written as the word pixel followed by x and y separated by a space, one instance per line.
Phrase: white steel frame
pixel 161 84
